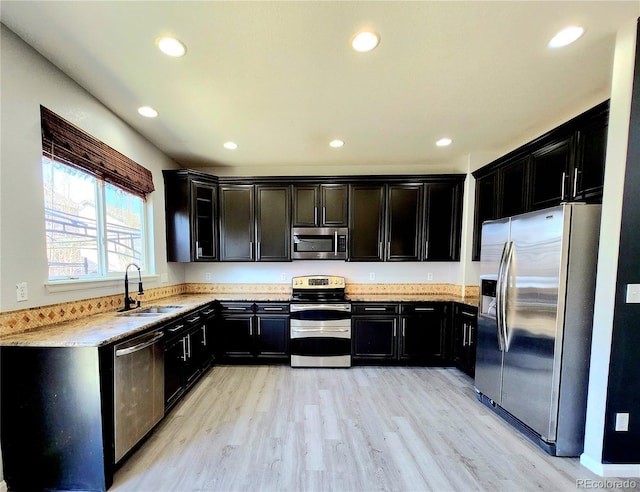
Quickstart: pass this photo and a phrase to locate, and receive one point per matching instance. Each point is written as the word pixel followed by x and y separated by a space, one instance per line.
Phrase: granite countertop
pixel 102 329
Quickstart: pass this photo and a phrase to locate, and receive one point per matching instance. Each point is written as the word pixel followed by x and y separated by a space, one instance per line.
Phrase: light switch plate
pixel 622 422
pixel 633 293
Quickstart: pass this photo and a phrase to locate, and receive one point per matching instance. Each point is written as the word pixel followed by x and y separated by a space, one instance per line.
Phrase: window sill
pixel 69 285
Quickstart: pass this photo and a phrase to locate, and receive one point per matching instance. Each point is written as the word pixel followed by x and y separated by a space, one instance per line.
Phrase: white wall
pixel 617 141
pixel 28 81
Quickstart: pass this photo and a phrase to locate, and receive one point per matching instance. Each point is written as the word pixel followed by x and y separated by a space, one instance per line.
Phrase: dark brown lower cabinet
pixel 424 336
pixel 465 323
pixel 407 333
pixel 250 333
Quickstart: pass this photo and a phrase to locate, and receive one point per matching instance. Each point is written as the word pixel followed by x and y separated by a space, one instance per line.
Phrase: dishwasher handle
pixel 139 346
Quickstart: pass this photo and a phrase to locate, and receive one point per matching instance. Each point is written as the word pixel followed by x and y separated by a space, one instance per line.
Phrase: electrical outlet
pixel 21 292
pixel 164 278
pixel 283 276
pixel 622 422
pixel 372 275
pixel 207 276
pixel 429 276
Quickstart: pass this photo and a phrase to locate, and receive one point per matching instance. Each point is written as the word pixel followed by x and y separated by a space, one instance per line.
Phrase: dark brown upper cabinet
pixel 404 222
pixel 237 223
pixel 565 164
pixel 442 221
pixel 320 205
pixel 255 222
pixel 191 216
pixel 366 220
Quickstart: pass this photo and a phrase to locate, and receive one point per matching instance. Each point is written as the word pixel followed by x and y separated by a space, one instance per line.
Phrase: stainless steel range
pixel 320 322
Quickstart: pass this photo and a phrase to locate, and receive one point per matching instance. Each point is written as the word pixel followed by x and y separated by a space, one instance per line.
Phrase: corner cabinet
pixel 191 216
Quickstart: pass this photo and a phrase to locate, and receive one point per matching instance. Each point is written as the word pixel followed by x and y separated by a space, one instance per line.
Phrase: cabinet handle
pixel 189 346
pixel 324 215
pixel 404 324
pixel 184 349
pixel 258 326
pixel 380 250
pixel 374 309
pixel 193 320
pixel 231 308
pixel 208 312
pixel 564 177
pixel 470 335
pixel 465 313
pixel 272 309
pixel 575 183
pixel 315 215
pixel 395 330
pixel 426 249
pixel 197 251
pixel 464 338
pixel 258 250
pixel 176 328
pixel 204 336
pixel 425 309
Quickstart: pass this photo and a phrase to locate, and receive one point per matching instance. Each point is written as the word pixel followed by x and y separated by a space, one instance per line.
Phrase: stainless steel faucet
pixel 128 301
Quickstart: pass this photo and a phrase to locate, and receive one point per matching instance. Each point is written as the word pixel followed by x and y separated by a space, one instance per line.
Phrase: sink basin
pixel 152 311
pixel 160 309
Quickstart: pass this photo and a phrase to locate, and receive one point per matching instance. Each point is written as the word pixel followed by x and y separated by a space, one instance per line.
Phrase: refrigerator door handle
pixel 504 286
pixel 499 300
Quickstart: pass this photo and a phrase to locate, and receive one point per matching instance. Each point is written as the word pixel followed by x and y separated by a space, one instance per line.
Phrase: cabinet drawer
pixel 422 308
pixel 374 308
pixel 272 307
pixel 236 307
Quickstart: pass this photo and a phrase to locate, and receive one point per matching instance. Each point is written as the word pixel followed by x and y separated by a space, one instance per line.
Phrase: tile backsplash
pixel 33 318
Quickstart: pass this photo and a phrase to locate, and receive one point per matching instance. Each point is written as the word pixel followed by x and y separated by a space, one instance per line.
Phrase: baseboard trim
pixel 609 469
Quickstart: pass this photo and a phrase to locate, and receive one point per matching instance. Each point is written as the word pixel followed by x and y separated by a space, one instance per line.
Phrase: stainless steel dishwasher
pixel 138 382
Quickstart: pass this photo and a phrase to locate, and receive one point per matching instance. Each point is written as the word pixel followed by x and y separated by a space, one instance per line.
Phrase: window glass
pixel 93 228
pixel 124 228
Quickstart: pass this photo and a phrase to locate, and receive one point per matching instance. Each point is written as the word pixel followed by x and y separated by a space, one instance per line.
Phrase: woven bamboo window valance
pixel 66 142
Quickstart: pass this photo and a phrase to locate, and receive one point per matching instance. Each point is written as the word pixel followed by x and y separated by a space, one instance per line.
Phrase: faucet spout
pixel 128 301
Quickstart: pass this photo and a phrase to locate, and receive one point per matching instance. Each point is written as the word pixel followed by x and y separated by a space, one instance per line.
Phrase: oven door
pixel 320 335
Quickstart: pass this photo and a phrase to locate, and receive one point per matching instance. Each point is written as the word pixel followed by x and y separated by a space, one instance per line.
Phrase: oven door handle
pixel 298 308
pixel 324 330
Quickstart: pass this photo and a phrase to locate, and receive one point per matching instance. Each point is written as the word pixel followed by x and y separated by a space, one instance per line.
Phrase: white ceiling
pixel 280 79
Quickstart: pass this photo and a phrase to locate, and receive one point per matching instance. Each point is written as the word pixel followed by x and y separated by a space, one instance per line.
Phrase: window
pixel 93 228
pixel 95 213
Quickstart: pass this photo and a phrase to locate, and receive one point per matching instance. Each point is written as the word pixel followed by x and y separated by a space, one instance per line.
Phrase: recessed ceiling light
pixel 443 142
pixel 565 37
pixel 147 112
pixel 230 145
pixel 365 41
pixel 336 143
pixel 171 46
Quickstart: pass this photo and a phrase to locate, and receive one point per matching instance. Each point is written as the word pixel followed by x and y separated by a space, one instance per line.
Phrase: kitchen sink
pixel 152 311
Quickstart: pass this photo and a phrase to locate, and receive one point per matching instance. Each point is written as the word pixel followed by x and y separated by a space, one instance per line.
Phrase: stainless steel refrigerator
pixel 537 281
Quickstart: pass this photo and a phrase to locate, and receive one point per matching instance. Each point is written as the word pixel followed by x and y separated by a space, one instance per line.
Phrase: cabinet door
pixel 424 339
pixel 174 357
pixel 485 207
pixel 333 205
pixel 273 227
pixel 465 336
pixel 237 336
pixel 374 338
pixel 443 221
pixel 404 217
pixel 195 353
pixel 514 187
pixel 588 177
pixel 366 241
pixel 236 223
pixel 550 168
pixel 272 336
pixel 305 206
pixel 204 221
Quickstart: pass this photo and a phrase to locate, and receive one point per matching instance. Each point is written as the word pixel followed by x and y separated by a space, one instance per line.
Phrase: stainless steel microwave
pixel 319 243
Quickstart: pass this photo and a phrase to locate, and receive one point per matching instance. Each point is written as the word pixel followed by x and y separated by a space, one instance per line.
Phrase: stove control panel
pixel 318 282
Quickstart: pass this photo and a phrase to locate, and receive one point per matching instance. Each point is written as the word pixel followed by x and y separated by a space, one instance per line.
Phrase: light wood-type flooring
pixel 275 428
